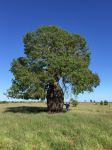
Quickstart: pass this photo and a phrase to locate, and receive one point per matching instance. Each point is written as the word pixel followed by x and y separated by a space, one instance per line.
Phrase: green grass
pixel 87 127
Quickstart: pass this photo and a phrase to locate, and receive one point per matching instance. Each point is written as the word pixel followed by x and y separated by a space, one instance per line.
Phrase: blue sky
pixel 90 18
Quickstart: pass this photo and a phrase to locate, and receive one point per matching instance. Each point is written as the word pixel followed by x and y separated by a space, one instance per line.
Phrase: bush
pixel 74 103
pixel 105 102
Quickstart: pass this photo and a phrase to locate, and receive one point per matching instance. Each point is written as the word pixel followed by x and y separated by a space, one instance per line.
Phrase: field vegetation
pixel 28 126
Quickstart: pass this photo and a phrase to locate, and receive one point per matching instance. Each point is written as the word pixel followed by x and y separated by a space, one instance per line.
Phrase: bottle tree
pixel 52 54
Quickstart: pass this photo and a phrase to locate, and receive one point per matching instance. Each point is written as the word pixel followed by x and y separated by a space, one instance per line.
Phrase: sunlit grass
pixel 87 127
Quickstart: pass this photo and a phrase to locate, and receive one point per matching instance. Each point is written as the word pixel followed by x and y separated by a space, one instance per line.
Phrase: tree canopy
pixel 51 54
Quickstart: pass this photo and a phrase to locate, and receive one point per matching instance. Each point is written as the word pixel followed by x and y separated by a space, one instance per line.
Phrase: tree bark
pixel 55 98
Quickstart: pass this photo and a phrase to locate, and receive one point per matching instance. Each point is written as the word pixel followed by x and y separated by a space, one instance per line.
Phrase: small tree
pixel 91 101
pixel 105 102
pixel 101 102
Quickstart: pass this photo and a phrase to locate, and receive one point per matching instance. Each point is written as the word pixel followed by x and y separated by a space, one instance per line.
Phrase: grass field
pixel 27 126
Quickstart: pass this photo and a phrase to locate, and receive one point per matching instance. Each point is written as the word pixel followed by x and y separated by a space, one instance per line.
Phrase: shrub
pixel 74 103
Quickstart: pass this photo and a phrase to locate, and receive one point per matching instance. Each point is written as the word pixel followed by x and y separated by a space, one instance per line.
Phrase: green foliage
pixel 101 103
pixel 105 102
pixel 52 54
pixel 91 101
pixel 85 128
pixel 74 102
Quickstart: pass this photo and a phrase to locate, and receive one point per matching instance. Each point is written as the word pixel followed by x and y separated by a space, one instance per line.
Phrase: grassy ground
pixel 26 126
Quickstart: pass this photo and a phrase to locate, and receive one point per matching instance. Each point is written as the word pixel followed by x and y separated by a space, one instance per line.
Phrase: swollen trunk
pixel 55 98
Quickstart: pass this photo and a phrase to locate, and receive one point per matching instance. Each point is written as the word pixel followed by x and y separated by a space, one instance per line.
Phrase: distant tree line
pixel 105 102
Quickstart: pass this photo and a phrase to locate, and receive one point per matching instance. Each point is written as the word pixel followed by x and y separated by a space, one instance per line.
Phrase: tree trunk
pixel 55 98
